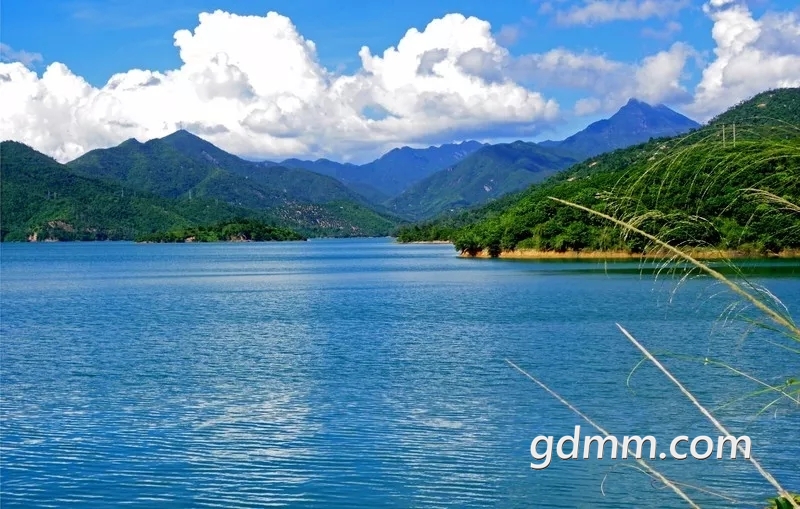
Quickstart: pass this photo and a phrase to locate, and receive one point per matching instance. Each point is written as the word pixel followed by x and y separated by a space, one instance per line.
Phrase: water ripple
pixel 344 374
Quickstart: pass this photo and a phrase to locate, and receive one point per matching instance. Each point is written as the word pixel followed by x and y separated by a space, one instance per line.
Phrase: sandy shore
pixel 428 242
pixel 700 254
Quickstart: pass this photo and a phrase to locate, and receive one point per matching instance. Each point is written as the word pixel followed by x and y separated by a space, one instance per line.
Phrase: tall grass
pixel 690 172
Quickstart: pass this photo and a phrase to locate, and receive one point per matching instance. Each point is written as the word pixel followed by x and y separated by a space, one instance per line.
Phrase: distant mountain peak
pixel 181 134
pixel 635 122
pixel 637 105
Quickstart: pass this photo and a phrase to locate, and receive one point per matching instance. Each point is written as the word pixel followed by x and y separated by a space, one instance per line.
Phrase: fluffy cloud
pixel 657 78
pixel 604 11
pixel 254 85
pixel 751 56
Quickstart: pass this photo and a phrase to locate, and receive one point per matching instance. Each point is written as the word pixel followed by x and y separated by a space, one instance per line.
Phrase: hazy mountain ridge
pixel 495 170
pixel 491 172
pixel 393 172
pixel 634 123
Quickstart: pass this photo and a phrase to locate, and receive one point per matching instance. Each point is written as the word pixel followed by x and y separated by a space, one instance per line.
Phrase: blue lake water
pixel 363 373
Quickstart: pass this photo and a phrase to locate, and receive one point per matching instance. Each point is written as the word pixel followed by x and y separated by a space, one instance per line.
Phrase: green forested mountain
pixel 491 172
pixel 694 190
pixel 44 199
pixel 185 166
pixel 496 170
pixel 41 197
pixel 183 163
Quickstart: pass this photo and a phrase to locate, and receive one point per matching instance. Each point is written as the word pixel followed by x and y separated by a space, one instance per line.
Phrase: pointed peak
pixel 180 133
pixel 636 102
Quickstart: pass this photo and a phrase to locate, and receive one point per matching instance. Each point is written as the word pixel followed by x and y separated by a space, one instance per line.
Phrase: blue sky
pixel 97 39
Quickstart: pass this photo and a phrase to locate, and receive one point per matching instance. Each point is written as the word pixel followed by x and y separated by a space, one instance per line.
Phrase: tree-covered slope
pixel 491 172
pixel 44 200
pixel 235 230
pixel 694 190
pixel 186 166
pixel 40 197
pixel 183 163
pixel 773 107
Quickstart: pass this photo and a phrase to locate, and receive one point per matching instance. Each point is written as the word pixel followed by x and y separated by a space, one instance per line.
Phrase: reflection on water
pixel 359 373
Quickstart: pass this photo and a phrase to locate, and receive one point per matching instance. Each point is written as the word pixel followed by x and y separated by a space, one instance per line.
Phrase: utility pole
pixel 734 135
pixel 723 135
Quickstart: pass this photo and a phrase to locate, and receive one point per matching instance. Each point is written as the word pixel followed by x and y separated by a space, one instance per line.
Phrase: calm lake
pixel 363 373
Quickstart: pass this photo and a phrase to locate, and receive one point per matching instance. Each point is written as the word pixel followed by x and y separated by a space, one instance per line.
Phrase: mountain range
pixel 182 164
pixel 174 182
pixel 689 190
pixel 177 173
pixel 393 172
pixel 491 172
pixel 495 170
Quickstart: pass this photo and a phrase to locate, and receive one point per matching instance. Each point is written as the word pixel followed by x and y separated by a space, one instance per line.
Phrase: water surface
pixel 360 373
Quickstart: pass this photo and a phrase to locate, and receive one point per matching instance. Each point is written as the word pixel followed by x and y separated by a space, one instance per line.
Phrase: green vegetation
pixel 237 230
pixel 694 190
pixel 783 502
pixel 137 193
pixel 182 164
pixel 771 108
pixel 185 167
pixel 43 200
pixel 487 174
pixel 334 219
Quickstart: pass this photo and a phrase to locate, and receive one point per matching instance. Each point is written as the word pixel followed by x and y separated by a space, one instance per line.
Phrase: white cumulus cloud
pixel 751 55
pixel 610 83
pixel 254 85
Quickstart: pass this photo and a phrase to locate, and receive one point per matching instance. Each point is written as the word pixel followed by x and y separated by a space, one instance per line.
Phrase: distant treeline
pixel 238 230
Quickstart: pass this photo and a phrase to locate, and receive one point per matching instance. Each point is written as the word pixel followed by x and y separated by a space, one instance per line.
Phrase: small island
pixel 237 230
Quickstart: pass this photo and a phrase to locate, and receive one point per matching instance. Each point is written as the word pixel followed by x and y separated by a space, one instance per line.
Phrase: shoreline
pixel 697 253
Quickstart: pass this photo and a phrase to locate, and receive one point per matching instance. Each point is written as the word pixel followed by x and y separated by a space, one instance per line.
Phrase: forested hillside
pixel 45 200
pixel 694 190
